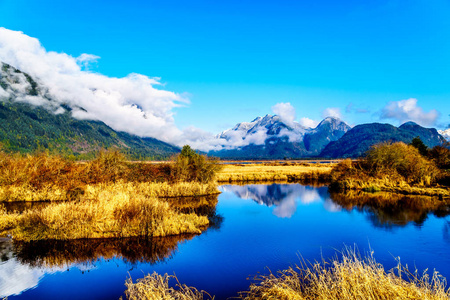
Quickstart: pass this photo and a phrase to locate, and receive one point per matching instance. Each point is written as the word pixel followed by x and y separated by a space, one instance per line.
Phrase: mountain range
pixel 272 138
pixel 31 120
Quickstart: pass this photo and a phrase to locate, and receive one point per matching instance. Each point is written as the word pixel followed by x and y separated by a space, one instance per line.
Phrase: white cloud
pixel 132 104
pixel 407 110
pixel 332 112
pixel 86 60
pixel 307 122
pixel 285 111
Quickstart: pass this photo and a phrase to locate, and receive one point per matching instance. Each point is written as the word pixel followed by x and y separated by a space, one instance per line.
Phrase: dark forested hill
pixel 27 128
pixel 360 138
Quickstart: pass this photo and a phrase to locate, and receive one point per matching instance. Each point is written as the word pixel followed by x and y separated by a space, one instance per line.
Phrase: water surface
pixel 256 228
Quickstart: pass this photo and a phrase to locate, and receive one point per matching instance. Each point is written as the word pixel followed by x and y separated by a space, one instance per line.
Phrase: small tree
pixel 192 166
pixel 419 145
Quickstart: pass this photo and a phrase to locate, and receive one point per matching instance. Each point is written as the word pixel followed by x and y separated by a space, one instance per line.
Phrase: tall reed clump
pixel 156 287
pixel 348 277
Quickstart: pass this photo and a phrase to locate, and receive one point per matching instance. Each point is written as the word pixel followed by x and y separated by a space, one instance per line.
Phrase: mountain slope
pixel 31 120
pixel 360 138
pixel 330 129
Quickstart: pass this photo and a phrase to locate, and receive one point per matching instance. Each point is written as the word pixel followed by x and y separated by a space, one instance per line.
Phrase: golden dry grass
pixel 112 210
pixel 156 287
pixel 348 277
pixel 274 172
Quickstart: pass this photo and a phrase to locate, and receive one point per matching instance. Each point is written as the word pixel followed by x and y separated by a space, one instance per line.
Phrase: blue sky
pixel 235 60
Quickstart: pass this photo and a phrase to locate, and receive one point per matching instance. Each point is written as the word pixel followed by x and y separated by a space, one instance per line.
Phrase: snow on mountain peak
pixel 263 128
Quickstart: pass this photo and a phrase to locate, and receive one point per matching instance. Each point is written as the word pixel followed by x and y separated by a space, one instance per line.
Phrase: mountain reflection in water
pixel 384 210
pixel 285 197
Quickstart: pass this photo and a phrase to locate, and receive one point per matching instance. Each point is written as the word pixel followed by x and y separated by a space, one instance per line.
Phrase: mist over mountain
pixel 32 119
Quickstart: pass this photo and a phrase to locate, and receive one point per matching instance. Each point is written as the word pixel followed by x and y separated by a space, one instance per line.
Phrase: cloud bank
pixel 407 110
pixel 285 111
pixel 332 112
pixel 135 104
pixel 307 122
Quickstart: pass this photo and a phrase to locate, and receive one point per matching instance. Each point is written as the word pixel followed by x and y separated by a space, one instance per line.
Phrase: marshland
pixel 198 228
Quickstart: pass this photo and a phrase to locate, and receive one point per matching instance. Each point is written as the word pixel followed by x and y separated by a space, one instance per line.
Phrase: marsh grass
pixel 157 287
pixel 106 211
pixel 348 276
pixel 284 172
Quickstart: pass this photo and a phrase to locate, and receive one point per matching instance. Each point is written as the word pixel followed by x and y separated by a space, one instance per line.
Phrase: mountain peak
pixel 409 123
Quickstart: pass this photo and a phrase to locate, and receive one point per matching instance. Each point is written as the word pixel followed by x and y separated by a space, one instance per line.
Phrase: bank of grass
pixel 44 177
pixel 275 172
pixel 391 167
pixel 348 276
pixel 105 211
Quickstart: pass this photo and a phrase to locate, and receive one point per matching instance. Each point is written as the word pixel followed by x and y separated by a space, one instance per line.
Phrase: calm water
pixel 256 228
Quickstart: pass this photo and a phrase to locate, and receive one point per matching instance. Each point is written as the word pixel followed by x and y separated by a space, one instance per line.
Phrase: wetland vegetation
pixel 396 167
pixel 110 207
pixel 105 198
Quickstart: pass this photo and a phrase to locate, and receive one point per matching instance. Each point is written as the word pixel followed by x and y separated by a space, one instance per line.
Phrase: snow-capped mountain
pixel 273 137
pixel 261 128
pixel 445 134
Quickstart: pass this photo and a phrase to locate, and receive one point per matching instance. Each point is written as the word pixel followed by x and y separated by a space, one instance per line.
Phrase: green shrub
pixel 192 166
pixel 403 160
